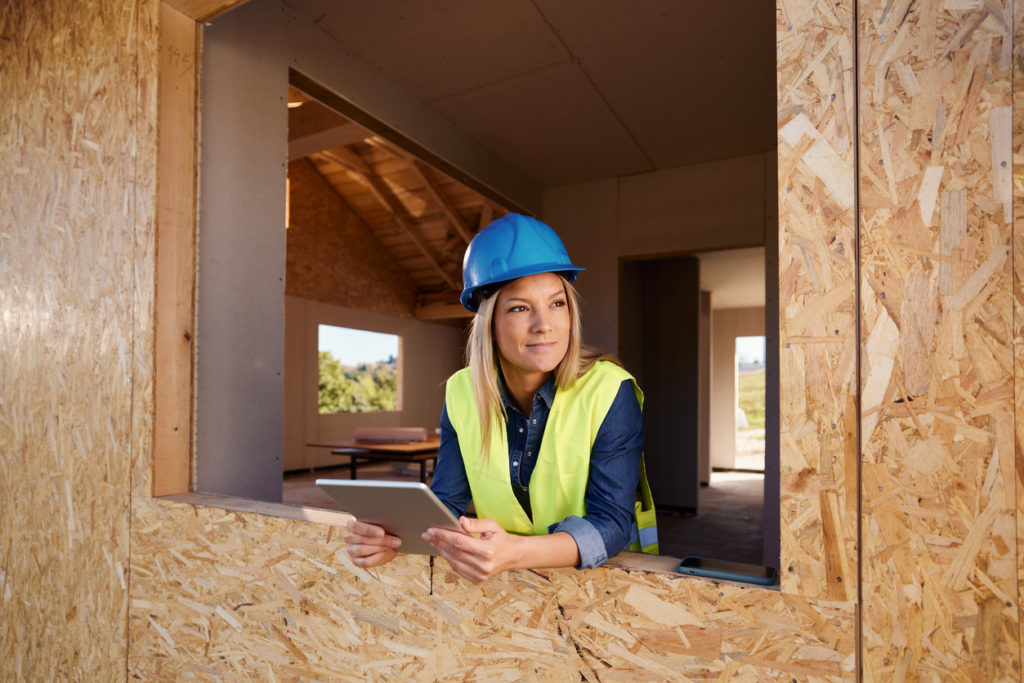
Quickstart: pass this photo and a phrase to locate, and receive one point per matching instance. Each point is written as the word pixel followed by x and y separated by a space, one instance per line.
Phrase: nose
pixel 541 320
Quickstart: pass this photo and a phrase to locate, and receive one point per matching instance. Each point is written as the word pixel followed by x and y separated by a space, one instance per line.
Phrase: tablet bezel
pixel 403 508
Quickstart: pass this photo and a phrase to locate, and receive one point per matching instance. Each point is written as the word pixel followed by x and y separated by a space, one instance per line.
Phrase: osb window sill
pixel 259 507
pixel 662 564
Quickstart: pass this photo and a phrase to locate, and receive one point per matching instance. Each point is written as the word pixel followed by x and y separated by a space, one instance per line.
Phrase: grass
pixel 751 397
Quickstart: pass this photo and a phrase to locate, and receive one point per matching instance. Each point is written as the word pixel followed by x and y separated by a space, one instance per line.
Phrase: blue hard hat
pixel 511 247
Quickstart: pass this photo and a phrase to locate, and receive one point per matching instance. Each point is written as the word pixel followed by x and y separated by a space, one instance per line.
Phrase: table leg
pixel 352 466
pixel 423 471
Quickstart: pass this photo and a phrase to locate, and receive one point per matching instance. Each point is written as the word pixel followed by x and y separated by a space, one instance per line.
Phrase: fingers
pixel 368 545
pixel 358 528
pixel 370 556
pixel 455 542
pixel 479 526
pixel 472 558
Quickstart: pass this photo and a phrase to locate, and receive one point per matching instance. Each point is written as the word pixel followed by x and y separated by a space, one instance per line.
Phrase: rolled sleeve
pixel 450 483
pixel 615 472
pixel 593 552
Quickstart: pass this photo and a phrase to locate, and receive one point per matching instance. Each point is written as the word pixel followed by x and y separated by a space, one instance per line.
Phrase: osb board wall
pixel 87 164
pixel 77 110
pixel 939 558
pixel 1018 296
pixel 817 316
pixel 237 595
pixel 332 257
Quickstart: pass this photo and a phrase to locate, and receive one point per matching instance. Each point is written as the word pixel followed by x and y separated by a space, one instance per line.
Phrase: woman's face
pixel 531 323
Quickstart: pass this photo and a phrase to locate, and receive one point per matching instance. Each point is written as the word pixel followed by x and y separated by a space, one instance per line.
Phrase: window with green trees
pixel 358 370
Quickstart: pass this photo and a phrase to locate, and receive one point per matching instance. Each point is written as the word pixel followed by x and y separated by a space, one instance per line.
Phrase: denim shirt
pixel 608 524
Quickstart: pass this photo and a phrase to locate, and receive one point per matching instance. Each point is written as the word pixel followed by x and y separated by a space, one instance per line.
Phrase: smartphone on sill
pixel 728 571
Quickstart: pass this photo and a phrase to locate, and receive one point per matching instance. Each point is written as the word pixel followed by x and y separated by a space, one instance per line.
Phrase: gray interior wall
pixel 666 342
pixel 429 353
pixel 704 207
pixel 704 410
pixel 240 308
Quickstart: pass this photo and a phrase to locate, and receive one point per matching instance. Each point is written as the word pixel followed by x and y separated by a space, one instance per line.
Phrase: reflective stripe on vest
pixel 559 482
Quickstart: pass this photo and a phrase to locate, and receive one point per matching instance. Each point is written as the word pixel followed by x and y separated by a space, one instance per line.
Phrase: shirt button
pixel 529 452
pixel 515 463
pixel 534 422
pixel 520 430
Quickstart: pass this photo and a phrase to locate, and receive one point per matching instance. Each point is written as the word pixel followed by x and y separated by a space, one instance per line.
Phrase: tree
pixel 368 387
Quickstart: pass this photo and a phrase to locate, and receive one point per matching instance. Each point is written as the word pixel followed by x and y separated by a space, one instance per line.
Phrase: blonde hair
pixel 483 361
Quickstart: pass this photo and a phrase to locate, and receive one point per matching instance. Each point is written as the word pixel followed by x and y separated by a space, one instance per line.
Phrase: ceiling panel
pixel 568 90
pixel 550 124
pixel 691 81
pixel 435 48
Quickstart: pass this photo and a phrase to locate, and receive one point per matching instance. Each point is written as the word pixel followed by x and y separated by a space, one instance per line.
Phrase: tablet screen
pixel 403 508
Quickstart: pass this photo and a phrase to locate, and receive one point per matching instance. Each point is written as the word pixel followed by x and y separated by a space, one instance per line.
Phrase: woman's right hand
pixel 369 545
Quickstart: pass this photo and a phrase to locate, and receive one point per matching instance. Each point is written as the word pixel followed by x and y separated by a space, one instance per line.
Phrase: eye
pixel 558 303
pixel 517 308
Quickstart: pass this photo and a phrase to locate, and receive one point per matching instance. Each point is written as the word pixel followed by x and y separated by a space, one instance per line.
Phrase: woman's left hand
pixel 492 550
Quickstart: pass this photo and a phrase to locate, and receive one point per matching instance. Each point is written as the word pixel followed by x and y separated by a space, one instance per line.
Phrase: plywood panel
pixel 1018 297
pixel 235 594
pixel 939 487
pixel 78 95
pixel 817 356
pixel 175 312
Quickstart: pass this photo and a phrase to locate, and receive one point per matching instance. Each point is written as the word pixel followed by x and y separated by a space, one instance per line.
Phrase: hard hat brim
pixel 469 297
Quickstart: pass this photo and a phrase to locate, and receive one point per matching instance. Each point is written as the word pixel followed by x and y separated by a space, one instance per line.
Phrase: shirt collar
pixel 546 392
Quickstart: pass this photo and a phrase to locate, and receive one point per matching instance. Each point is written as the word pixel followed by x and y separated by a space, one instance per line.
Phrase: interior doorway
pixel 701 359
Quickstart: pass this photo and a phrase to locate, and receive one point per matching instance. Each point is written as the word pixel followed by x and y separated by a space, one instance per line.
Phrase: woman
pixel 540 431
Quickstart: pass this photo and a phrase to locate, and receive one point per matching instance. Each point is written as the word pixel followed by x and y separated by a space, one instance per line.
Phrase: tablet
pixel 403 508
pixel 729 571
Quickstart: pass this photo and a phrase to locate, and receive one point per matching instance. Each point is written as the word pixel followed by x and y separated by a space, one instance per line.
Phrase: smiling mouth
pixel 541 345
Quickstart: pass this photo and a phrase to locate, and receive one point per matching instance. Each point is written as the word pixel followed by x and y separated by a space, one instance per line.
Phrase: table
pixel 362 452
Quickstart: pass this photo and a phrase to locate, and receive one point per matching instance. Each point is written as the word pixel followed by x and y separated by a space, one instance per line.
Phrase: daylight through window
pixel 358 371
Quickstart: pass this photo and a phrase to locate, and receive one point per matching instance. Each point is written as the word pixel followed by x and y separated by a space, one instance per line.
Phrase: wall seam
pixel 1014 322
pixel 859 602
pixel 134 294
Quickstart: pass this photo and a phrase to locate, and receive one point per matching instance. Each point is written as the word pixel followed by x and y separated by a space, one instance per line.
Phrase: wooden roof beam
pixel 440 312
pixel 419 169
pixel 338 136
pixel 384 195
pixel 486 214
pixel 348 159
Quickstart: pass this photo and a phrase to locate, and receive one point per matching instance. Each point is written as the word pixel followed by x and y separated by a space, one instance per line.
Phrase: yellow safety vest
pixel 559 481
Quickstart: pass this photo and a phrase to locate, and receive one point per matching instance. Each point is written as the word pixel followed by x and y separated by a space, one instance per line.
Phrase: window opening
pixel 750 403
pixel 357 371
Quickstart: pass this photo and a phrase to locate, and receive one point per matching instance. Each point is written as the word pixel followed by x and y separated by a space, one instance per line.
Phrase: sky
pixel 750 350
pixel 353 347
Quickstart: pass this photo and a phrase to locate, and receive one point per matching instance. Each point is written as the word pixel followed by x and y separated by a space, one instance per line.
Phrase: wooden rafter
pixel 336 137
pixel 440 311
pixel 418 168
pixel 348 159
pixel 486 214
pixel 380 190
pixel 453 216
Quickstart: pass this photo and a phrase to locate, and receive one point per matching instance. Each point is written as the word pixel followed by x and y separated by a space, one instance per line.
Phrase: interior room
pixel 377 223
